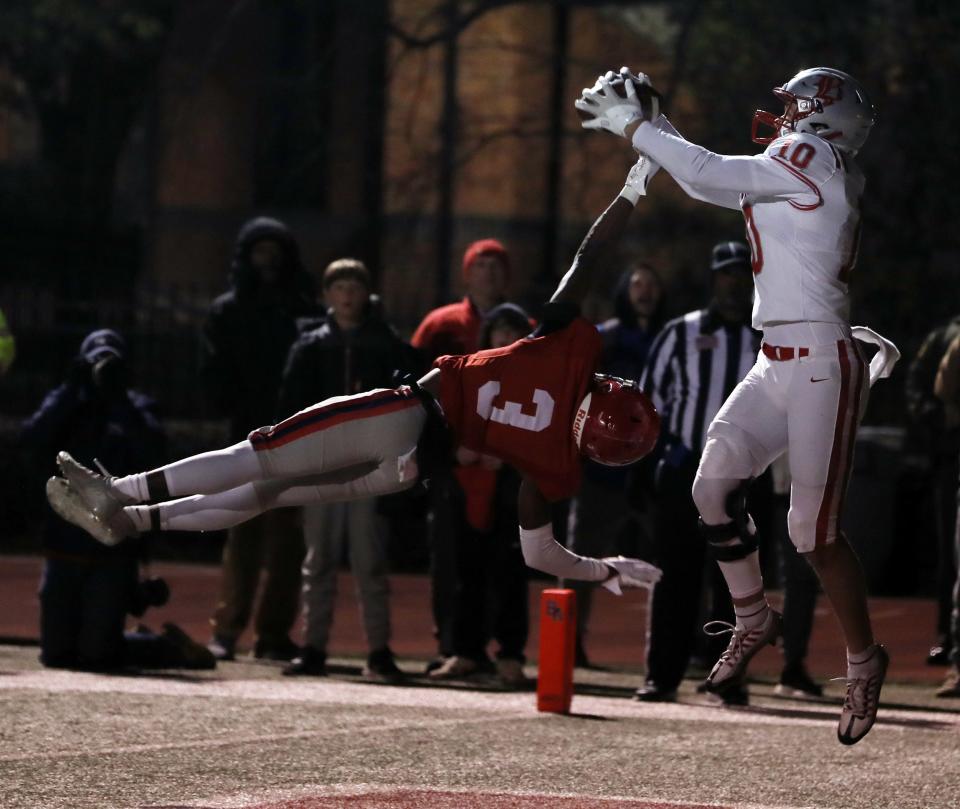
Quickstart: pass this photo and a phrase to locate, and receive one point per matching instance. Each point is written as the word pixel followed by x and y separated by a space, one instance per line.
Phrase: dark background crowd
pixel 270 203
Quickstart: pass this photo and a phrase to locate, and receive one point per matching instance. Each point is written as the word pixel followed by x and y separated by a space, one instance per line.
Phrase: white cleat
pixel 744 644
pixel 68 504
pixel 93 488
pixel 863 697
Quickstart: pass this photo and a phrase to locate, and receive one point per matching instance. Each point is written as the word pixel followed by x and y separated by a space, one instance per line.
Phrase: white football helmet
pixel 824 102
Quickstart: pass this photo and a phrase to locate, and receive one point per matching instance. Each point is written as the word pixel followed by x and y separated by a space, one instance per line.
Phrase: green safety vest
pixel 8 349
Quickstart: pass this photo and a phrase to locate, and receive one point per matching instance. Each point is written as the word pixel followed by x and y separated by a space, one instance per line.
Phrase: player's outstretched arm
pixel 542 552
pixel 604 234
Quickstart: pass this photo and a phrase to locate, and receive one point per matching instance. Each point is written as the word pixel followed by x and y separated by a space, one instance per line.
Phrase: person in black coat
pixel 246 337
pixel 88 589
pixel 351 350
pixel 605 517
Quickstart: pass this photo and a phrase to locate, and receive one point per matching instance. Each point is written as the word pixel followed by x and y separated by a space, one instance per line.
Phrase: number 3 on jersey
pixel 512 412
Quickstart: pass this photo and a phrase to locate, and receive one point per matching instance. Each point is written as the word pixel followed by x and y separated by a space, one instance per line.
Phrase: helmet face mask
pixel 616 424
pixel 823 102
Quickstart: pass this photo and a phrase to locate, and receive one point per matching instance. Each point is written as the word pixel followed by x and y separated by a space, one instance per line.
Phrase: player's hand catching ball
pixel 617 100
pixel 630 573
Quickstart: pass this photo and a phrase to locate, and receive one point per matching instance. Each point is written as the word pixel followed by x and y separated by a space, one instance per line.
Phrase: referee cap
pixel 727 255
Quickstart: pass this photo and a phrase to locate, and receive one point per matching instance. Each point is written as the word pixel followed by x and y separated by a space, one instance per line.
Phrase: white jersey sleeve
pixel 766 176
pixel 721 197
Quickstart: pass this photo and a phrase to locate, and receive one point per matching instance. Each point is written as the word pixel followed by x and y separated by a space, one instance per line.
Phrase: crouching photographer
pixel 87 590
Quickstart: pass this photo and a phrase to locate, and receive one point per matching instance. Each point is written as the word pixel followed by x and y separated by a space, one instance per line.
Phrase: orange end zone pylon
pixel 558 630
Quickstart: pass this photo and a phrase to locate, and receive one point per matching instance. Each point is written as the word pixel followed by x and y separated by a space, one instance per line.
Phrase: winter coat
pixel 250 329
pixel 327 361
pixel 927 417
pixel 123 432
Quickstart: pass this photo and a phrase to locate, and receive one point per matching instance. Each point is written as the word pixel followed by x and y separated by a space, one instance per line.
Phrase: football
pixel 644 93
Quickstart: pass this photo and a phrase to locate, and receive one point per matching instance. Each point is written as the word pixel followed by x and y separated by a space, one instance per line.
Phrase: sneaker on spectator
pixel 744 644
pixel 651 692
pixel 951 685
pixel 382 667
pixel 510 672
pixel 310 662
pixel 434 664
pixel 737 694
pixel 223 648
pixel 863 696
pixel 194 655
pixel 284 649
pixel 796 683
pixel 733 693
pixel 454 667
pixel 939 654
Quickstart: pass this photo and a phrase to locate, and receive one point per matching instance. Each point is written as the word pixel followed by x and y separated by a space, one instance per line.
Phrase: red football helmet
pixel 616 423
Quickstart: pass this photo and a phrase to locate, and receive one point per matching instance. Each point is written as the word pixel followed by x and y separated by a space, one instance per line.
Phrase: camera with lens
pixel 151 592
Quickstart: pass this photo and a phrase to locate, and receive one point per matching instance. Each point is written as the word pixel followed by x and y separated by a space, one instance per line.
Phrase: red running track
pixel 618 625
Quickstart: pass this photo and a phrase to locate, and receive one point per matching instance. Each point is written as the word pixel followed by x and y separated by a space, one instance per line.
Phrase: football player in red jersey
pixel 536 404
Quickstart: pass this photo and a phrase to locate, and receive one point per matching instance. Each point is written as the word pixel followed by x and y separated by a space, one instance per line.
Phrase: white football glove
pixel 610 110
pixel 630 573
pixel 635 186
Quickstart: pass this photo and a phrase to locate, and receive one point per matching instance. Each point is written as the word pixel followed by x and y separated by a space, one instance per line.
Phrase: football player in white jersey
pixel 801 202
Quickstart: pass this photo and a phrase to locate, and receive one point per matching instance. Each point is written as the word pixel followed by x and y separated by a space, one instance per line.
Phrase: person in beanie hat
pixel 455 329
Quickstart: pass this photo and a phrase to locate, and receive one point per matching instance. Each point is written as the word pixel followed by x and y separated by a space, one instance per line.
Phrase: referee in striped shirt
pixel 693 366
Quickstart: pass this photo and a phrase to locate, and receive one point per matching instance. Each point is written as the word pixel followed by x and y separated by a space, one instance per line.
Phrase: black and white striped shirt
pixel 694 364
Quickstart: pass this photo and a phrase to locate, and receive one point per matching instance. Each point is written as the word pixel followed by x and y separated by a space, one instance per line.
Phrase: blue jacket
pixel 122 431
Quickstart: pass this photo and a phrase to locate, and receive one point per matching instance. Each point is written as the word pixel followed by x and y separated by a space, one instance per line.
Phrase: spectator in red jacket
pixel 455 329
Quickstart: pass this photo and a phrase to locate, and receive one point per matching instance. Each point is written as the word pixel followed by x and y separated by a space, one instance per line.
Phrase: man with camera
pixel 87 589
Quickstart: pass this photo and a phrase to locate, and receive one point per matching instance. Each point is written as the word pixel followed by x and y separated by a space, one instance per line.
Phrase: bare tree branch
pixel 453 30
pixel 688 22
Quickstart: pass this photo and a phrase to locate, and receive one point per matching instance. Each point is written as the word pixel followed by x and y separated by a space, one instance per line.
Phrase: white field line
pixel 232 741
pixel 245 799
pixel 468 704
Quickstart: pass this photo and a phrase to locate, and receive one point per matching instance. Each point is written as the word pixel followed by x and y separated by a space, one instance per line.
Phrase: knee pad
pixel 710 496
pixel 736 539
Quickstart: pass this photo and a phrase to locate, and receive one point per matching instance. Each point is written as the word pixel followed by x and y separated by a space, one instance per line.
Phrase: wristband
pixel 631 195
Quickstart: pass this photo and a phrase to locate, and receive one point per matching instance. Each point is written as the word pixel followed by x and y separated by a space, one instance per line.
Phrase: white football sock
pixel 134 486
pixel 206 473
pixel 744 580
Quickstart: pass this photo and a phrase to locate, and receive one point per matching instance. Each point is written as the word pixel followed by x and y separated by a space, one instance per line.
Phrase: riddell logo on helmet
pixel 830 89
pixel 581 418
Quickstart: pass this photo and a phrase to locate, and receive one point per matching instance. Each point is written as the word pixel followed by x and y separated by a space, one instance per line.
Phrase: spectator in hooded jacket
pixel 352 350
pixel 604 517
pixel 247 335
pixel 455 329
pixel 88 589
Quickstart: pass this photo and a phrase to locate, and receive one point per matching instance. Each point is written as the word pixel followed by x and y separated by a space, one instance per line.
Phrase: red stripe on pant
pixel 857 381
pixel 317 412
pixel 315 421
pixel 844 433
